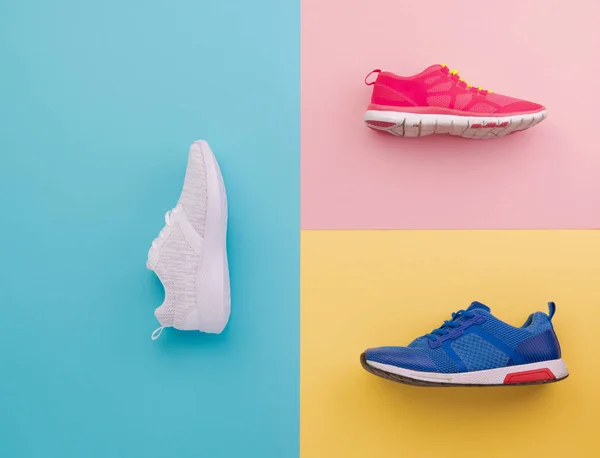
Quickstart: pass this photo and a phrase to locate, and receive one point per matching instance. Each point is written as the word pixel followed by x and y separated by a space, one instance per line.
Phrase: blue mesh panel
pixel 540 323
pixel 478 354
pixel 418 357
pixel 404 357
pixel 508 334
pixel 543 347
pixel 441 359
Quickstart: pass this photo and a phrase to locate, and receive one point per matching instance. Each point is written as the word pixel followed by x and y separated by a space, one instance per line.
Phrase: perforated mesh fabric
pixel 462 100
pixel 432 79
pixel 441 87
pixel 501 100
pixel 483 108
pixel 194 194
pixel 539 323
pixel 176 269
pixel 508 334
pixel 441 359
pixel 439 101
pixel 478 354
pixel 417 356
pixel 404 357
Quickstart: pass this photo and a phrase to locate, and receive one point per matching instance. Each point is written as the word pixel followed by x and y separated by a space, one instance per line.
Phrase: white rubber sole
pixel 546 371
pixel 420 125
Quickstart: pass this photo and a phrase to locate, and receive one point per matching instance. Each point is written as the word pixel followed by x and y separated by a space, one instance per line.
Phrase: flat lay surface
pixel 543 178
pixel 339 238
pixel 362 289
pixel 100 104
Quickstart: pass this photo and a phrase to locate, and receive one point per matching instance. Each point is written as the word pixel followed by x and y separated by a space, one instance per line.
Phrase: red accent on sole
pixel 380 123
pixel 536 375
pixel 489 126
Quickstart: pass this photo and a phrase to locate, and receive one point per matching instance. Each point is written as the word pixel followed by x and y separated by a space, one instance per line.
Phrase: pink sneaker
pixel 438 101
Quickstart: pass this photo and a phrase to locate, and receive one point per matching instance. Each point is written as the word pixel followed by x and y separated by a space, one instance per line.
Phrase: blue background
pixel 99 102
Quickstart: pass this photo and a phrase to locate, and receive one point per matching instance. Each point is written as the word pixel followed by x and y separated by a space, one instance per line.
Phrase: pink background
pixel 544 51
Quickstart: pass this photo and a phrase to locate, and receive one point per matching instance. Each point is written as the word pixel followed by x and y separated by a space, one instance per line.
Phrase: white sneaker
pixel 190 255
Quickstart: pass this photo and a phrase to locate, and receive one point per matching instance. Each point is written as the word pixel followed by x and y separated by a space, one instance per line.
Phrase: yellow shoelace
pixel 455 72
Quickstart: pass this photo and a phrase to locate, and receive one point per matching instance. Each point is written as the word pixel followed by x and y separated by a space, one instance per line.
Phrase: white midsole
pixel 487 377
pixel 418 124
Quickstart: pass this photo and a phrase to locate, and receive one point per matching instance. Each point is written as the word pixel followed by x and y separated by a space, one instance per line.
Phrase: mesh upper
pixel 432 79
pixel 540 347
pixel 178 262
pixel 501 100
pixel 483 108
pixel 193 197
pixel 535 341
pixel 508 334
pixel 441 359
pixel 450 93
pixel 462 100
pixel 417 356
pixel 439 101
pixel 402 356
pixel 441 87
pixel 478 354
pixel 176 269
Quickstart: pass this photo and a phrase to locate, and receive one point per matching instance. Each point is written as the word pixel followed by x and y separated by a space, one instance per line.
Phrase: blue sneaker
pixel 475 348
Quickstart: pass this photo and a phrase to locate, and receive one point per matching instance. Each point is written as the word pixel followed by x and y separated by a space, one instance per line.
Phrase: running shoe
pixel 475 348
pixel 438 101
pixel 190 255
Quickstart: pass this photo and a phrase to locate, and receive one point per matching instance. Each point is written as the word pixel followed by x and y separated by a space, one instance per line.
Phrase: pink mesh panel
pixel 441 87
pixel 483 108
pixel 384 95
pixel 431 80
pixel 442 101
pixel 501 100
pixel 462 101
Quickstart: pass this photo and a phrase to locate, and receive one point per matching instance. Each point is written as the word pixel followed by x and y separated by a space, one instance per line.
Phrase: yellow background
pixel 372 288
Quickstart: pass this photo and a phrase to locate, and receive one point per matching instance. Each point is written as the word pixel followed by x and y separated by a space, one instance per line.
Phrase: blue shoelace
pixel 452 323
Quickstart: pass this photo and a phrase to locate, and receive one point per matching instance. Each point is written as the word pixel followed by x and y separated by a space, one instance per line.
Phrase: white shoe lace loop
pixel 157 332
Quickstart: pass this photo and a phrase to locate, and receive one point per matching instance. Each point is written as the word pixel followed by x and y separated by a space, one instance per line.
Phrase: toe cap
pixel 522 106
pixel 404 357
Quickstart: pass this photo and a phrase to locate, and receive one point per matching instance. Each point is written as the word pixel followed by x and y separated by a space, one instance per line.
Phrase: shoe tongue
pixel 478 305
